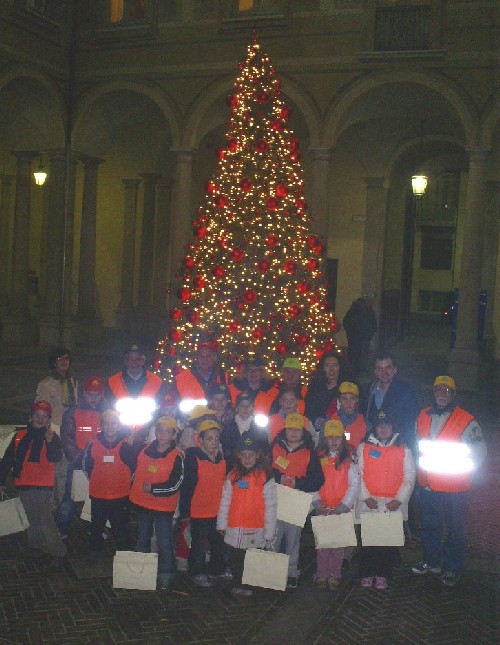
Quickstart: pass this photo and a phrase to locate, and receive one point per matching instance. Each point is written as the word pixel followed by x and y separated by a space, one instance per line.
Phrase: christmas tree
pixel 251 278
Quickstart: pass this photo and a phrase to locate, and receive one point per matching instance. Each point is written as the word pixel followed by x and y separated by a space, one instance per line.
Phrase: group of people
pixel 216 466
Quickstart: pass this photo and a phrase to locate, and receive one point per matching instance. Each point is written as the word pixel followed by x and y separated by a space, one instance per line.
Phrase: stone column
pixel 18 327
pixel 147 240
pixel 374 238
pixel 320 190
pixel 181 215
pixel 57 324
pixel 162 246
pixel 126 306
pixel 464 358
pixel 5 206
pixel 86 273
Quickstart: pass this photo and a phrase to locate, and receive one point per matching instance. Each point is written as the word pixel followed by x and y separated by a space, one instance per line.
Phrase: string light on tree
pixel 251 277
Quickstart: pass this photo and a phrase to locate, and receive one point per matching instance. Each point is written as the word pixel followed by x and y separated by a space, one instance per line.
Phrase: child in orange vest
pixel 109 484
pixel 247 512
pixel 387 474
pixel 337 495
pixel 201 491
pixel 296 465
pixel 348 413
pixel 159 471
pixel 31 456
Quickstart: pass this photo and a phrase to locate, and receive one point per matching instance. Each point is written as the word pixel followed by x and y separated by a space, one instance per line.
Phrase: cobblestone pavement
pixel 79 605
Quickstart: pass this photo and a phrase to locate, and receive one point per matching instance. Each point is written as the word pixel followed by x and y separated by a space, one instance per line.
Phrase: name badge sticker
pixel 152 468
pixel 374 453
pixel 243 484
pixel 109 459
pixel 324 461
pixel 282 462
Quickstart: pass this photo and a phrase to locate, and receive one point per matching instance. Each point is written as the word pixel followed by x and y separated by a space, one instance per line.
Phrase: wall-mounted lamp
pixel 40 175
pixel 419 185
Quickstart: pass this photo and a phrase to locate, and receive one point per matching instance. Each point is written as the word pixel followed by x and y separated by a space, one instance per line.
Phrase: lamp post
pixel 40 175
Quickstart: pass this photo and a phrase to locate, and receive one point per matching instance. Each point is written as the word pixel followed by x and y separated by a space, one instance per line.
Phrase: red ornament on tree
pixel 237 254
pixel 264 265
pixel 218 271
pixel 313 264
pixel 272 203
pixel 302 339
pixel 234 326
pixel 221 201
pixel 189 262
pixel 294 144
pixel 212 188
pixel 232 145
pixel 175 335
pixel 281 190
pixel 290 266
pixel 200 231
pixel 258 333
pixel 285 113
pixel 281 348
pixel 277 126
pixel 199 282
pixel 303 287
pixel 311 240
pixel 176 314
pixel 246 185
pixel 294 155
pixel 262 97
pixel 193 317
pixel 294 310
pixel 272 240
pixel 249 296
pixel 223 241
pixel 221 153
pixel 184 294
pixel 261 146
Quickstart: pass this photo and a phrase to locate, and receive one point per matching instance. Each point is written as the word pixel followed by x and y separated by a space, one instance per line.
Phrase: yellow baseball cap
pixel 200 411
pixel 333 428
pixel 349 388
pixel 296 421
pixel 208 425
pixel 168 422
pixel 445 380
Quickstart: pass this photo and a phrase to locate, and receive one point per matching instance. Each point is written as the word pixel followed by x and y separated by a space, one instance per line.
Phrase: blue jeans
pixel 437 511
pixel 161 522
pixel 66 510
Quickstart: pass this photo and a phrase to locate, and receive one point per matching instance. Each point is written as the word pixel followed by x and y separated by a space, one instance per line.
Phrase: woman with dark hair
pixel 324 387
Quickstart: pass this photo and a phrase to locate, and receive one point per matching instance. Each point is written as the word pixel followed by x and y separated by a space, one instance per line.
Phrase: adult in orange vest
pixel 451 448
pixel 135 380
pixel 348 413
pixel 296 465
pixel 204 476
pixel 196 382
pixel 387 472
pixel 248 508
pixel 109 484
pixel 31 456
pixel 291 377
pixel 261 390
pixel 337 495
pixel 158 473
pixel 80 425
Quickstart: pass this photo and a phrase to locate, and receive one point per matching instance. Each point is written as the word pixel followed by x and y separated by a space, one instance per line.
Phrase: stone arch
pixel 490 120
pixel 165 104
pixel 192 132
pixel 461 105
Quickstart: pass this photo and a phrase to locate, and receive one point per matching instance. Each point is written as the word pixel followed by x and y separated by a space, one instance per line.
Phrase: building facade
pixel 123 102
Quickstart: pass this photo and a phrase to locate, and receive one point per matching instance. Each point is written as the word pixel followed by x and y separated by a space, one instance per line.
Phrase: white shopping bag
pixel 133 570
pixel 265 569
pixel 293 505
pixel 12 516
pixel 79 486
pixel 334 531
pixel 382 529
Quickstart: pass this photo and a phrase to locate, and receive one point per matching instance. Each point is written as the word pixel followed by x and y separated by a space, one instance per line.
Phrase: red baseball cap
pixel 94 384
pixel 42 405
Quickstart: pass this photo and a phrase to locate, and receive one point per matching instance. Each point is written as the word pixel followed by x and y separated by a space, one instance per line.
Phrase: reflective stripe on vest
pixel 34 473
pixel 206 497
pixel 451 431
pixel 247 509
pixel 297 461
pixel 336 481
pixel 383 469
pixel 88 423
pixel 120 390
pixel 154 471
pixel 110 477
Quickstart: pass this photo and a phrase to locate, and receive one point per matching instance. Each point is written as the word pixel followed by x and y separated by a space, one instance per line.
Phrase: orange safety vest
pixel 452 430
pixel 336 481
pixel 34 473
pixel 276 425
pixel 383 469
pixel 188 385
pixel 357 430
pixel 88 424
pixel 291 464
pixel 263 400
pixel 208 492
pixel 247 509
pixel 154 471
pixel 120 391
pixel 110 477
